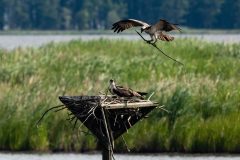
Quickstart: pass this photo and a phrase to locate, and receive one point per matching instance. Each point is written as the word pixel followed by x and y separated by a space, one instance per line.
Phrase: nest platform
pixel 107 117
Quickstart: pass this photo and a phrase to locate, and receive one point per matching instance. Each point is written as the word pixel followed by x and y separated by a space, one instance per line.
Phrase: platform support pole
pixel 107 153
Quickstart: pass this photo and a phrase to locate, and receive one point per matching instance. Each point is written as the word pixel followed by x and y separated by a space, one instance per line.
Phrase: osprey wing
pixel 123 91
pixel 128 23
pixel 164 37
pixel 164 25
pixel 137 94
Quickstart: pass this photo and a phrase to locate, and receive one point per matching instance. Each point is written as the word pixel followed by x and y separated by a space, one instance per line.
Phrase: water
pixel 62 156
pixel 13 41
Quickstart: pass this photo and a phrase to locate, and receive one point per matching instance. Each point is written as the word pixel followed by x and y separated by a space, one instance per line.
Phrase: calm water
pixel 13 41
pixel 22 156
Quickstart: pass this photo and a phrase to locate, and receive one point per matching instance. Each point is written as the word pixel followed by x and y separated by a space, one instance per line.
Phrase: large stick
pixel 154 45
pixel 50 110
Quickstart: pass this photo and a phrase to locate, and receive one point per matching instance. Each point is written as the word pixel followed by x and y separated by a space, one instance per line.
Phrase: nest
pixel 107 117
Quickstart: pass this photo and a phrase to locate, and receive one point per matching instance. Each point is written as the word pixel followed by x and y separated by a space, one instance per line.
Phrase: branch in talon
pixel 149 41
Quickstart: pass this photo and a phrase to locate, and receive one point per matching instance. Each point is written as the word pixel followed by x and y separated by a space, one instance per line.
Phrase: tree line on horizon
pixel 100 14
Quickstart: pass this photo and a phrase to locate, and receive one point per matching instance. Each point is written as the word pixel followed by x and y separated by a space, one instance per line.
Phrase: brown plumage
pixel 155 31
pixel 124 91
pixel 126 24
pixel 164 25
pixel 165 37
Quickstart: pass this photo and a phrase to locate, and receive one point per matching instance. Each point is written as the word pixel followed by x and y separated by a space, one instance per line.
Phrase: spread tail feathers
pixel 165 37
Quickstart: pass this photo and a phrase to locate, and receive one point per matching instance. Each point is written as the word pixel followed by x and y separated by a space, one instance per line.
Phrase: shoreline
pixel 109 31
pixel 173 154
pixel 11 42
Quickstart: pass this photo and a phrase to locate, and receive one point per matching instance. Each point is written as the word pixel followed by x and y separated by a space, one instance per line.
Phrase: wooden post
pixel 107 153
pixel 107 150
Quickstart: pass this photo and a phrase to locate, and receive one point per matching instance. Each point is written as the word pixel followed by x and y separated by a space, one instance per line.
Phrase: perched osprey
pixel 155 31
pixel 123 91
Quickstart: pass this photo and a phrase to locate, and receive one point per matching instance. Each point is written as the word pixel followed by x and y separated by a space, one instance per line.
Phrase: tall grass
pixel 203 96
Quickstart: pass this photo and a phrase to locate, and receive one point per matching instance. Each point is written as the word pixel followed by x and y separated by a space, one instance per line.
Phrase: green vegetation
pixel 203 96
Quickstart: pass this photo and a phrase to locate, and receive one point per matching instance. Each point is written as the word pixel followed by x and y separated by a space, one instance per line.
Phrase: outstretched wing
pixel 128 23
pixel 164 25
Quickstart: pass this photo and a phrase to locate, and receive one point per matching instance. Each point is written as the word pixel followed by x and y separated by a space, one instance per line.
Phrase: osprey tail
pixel 165 37
pixel 142 93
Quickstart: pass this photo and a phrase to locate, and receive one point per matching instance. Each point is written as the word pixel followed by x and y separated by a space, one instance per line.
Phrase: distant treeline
pixel 100 14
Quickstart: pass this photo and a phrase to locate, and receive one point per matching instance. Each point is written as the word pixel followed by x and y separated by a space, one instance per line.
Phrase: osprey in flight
pixel 124 91
pixel 155 31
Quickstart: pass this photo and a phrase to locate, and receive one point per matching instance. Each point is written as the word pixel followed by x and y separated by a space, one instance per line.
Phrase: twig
pixel 47 112
pixel 150 96
pixel 162 107
pixel 154 45
pixel 115 119
pixel 129 121
pixel 125 144
pixel 60 109
pixel 85 120
pixel 125 127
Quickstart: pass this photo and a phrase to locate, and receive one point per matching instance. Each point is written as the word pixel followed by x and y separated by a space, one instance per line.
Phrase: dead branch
pixel 125 144
pixel 154 45
pixel 38 122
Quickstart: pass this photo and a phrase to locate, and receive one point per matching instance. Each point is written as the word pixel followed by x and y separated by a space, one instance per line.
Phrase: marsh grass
pixel 203 96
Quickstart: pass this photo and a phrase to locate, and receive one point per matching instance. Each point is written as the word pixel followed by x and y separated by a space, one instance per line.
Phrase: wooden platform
pixel 121 114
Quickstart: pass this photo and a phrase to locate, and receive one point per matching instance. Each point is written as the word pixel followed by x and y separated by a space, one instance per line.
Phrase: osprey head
pixel 144 28
pixel 112 83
